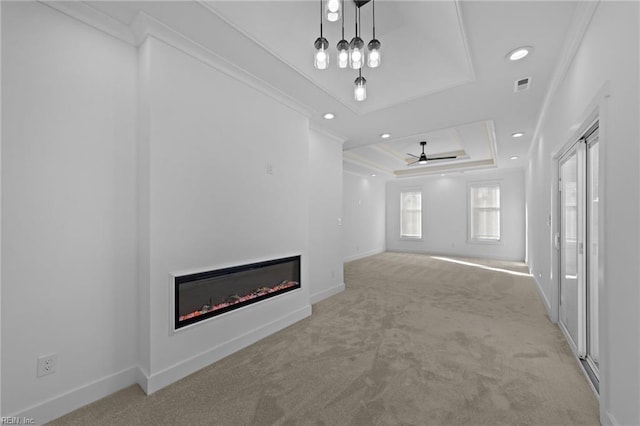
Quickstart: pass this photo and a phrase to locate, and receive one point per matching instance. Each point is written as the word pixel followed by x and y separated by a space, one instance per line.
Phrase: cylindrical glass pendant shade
pixel 343 53
pixel 360 89
pixel 321 57
pixel 374 57
pixel 356 53
pixel 333 11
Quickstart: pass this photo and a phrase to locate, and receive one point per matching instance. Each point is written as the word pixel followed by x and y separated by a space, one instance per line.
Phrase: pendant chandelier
pixel 350 54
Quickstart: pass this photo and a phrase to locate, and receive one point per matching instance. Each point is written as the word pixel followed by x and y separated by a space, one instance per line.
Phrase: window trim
pixel 470 238
pixel 408 237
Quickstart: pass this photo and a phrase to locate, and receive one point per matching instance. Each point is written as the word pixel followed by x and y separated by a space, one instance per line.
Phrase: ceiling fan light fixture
pixel 385 135
pixel 517 135
pixel 329 116
pixel 423 159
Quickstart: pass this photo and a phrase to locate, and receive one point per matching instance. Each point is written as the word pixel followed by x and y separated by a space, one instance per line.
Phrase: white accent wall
pixel 445 215
pixel 223 181
pixel 602 79
pixel 68 209
pixel 364 213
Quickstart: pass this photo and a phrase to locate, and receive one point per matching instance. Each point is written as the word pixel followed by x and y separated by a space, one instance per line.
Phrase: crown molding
pixel 144 26
pixel 572 43
pixel 325 132
pixel 464 167
pixel 94 18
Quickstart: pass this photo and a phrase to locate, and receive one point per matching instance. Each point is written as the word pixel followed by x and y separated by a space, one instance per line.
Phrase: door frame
pixel 597 116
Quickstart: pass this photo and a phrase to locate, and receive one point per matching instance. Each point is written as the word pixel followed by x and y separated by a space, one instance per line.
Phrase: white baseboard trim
pixel 320 296
pixel 69 401
pixel 543 297
pixel 610 420
pixel 363 255
pixel 182 369
pixel 451 254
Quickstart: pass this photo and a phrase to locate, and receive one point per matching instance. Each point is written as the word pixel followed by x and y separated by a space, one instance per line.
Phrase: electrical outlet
pixel 47 364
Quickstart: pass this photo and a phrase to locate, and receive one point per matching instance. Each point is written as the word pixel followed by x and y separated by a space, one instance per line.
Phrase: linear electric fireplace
pixel 203 295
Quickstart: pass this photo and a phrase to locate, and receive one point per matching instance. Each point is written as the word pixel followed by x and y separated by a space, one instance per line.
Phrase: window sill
pixel 410 238
pixel 486 242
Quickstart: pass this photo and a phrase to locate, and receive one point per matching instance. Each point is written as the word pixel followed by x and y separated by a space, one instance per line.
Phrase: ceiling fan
pixel 422 159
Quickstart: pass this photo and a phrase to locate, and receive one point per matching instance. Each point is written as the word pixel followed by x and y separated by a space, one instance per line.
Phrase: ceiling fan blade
pixel 442 158
pixel 414 156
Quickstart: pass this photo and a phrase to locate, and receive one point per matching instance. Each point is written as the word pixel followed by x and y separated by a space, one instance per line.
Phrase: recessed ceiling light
pixel 373 175
pixel 515 157
pixel 519 53
pixel 385 135
pixel 517 135
pixel 328 116
pixel 441 174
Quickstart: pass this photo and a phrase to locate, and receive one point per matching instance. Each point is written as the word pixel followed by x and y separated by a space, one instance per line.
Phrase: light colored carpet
pixel 413 340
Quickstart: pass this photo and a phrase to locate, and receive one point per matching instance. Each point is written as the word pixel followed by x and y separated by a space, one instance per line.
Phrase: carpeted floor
pixel 414 340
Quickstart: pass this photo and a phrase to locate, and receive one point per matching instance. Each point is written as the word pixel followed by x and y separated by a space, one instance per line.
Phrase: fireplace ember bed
pixel 203 295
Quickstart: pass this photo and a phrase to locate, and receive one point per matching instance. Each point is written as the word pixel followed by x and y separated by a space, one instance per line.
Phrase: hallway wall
pixel 602 79
pixel 363 216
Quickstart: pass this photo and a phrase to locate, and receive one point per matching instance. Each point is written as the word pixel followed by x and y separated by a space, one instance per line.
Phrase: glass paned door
pixel 570 276
pixel 593 335
pixel 579 249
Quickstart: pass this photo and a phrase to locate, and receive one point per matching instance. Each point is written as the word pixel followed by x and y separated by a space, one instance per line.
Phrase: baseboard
pixel 610 420
pixel 182 369
pixel 543 297
pixel 456 255
pixel 320 296
pixel 363 255
pixel 63 404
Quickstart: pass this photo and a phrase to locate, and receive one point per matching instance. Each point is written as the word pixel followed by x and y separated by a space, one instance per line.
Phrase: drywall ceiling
pixel 444 76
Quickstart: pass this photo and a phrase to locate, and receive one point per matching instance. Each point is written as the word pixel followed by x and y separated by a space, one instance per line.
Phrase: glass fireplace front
pixel 206 294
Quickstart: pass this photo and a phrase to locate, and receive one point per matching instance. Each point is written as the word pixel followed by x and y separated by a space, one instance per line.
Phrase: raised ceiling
pixel 444 77
pixel 436 59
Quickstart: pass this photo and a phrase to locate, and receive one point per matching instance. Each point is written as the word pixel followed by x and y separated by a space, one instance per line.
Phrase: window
pixel 411 214
pixel 484 212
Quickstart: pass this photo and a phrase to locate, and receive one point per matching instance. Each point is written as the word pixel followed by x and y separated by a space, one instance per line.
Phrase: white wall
pixel 363 217
pixel 123 165
pixel 325 215
pixel 68 209
pixel 211 202
pixel 445 213
pixel 603 77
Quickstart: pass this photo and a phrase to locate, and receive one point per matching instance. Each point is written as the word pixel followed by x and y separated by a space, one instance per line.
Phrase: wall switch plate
pixel 47 364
